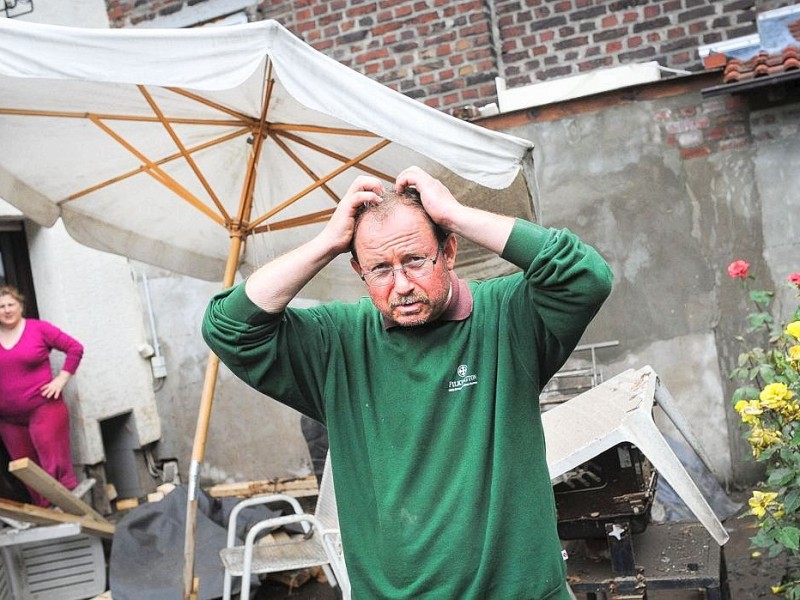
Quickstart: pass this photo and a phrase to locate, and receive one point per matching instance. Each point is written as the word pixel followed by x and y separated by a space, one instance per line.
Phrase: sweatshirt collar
pixel 458 309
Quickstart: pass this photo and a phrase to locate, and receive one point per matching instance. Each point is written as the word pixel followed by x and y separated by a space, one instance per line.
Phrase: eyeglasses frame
pixel 434 260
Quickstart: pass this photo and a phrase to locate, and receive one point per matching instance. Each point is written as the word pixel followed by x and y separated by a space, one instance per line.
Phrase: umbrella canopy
pixel 162 145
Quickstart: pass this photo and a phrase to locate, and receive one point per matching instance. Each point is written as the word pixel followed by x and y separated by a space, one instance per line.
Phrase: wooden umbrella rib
pixel 182 150
pixel 243 117
pixel 25 112
pixel 161 161
pixel 316 217
pixel 347 165
pixel 321 129
pixel 159 175
pixel 306 169
pixel 335 155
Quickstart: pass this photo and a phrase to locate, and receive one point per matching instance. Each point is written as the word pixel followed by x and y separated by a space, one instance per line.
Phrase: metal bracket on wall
pixel 17 8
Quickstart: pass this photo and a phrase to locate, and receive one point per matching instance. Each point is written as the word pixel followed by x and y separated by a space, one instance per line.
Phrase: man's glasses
pixel 417 268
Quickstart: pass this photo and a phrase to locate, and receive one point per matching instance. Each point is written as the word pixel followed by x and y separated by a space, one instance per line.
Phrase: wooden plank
pixel 46 516
pixel 306 486
pixel 127 503
pixel 34 476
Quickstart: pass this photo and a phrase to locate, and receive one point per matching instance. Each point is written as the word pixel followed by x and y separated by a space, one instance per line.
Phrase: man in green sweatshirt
pixel 429 387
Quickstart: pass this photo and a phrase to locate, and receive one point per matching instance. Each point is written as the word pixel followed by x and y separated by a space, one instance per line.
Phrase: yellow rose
pixel 793 329
pixel 775 394
pixel 761 438
pixel 789 411
pixel 749 411
pixel 761 502
pixel 794 352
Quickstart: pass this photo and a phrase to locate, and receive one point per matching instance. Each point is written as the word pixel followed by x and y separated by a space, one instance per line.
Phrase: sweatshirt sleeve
pixel 282 355
pixel 234 327
pixel 567 282
pixel 57 339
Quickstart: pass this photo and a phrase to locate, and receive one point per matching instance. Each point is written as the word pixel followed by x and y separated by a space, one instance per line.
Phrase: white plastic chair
pixel 621 410
pixel 320 546
pixel 51 562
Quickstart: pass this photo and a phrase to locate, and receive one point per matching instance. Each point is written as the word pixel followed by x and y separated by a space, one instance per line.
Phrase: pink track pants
pixel 43 436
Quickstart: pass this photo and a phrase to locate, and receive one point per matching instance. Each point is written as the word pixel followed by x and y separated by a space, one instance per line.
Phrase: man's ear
pixel 449 249
pixel 356 266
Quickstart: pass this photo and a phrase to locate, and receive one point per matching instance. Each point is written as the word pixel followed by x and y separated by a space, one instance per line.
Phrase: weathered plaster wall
pixel 250 436
pixel 91 295
pixel 777 170
pixel 670 213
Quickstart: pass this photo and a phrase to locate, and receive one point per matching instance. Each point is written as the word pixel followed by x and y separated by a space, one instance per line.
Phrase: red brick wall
pixel 448 52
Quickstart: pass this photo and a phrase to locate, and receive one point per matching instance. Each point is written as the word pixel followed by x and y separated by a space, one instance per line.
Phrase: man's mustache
pixel 406 300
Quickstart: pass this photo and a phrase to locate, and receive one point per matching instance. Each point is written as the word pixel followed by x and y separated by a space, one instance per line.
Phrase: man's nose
pixel 402 284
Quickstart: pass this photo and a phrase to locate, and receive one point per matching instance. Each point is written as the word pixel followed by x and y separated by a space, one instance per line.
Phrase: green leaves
pixel 789 537
pixel 792 501
pixel 772 423
pixel 781 476
pixel 761 298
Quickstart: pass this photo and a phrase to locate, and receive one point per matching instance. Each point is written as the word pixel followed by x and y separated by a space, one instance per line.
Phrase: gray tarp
pixel 147 550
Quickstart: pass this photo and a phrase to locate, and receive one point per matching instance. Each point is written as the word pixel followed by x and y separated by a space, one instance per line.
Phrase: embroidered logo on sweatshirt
pixel 464 379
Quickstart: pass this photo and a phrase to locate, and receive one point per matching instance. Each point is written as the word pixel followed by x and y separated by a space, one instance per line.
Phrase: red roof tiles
pixel 763 63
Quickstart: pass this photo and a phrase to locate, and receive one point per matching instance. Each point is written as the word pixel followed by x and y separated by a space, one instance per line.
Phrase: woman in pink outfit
pixel 34 420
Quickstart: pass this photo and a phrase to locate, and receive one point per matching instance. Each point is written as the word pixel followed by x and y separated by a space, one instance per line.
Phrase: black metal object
pixel 620 546
pixel 617 486
pixel 668 556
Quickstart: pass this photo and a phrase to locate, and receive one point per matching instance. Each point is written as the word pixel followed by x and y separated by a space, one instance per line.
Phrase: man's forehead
pixel 402 222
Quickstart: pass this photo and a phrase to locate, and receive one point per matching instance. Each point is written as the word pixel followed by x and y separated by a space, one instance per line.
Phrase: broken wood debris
pixel 296 487
pixel 47 516
pixel 35 477
pixel 126 503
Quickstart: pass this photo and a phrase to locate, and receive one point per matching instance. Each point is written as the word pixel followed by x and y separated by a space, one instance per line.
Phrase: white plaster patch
pixel 636 258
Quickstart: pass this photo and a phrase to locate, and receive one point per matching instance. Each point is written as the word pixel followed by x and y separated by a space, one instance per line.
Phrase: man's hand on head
pixel 437 200
pixel 339 230
pixel 487 229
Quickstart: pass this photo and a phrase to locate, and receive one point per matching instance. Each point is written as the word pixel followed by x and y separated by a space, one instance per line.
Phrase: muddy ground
pixel 749 575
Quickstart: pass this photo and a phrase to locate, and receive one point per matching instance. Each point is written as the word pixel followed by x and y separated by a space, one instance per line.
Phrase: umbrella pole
pixel 190 586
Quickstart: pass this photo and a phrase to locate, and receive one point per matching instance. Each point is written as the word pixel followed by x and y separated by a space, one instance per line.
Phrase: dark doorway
pixel 121 446
pixel 15 264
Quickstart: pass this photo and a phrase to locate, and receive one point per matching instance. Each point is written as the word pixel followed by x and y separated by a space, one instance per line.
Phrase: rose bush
pixel 768 403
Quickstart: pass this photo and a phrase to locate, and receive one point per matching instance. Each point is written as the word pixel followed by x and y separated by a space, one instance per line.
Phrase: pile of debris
pixel 59 553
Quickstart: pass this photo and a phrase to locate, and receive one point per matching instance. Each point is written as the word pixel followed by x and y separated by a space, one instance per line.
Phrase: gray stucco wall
pixel 670 217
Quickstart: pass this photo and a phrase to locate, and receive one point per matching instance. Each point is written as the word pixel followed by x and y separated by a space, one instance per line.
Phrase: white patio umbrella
pixel 208 151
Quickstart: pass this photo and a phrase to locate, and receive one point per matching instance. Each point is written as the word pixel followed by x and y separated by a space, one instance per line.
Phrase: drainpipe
pixel 494 33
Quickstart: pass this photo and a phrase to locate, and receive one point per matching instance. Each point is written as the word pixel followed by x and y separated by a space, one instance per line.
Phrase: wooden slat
pixel 35 477
pixel 46 516
pixel 306 486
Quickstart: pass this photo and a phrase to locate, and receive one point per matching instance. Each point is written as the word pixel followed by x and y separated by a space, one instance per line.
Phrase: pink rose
pixel 794 279
pixel 738 269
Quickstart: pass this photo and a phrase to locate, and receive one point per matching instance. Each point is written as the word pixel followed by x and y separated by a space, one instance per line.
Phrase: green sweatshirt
pixel 435 432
